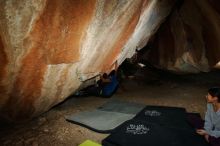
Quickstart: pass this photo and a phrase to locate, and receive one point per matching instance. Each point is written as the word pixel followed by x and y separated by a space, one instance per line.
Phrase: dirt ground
pixel 51 128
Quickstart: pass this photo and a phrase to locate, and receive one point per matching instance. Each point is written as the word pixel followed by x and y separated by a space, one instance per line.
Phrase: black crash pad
pixel 141 133
pixel 168 116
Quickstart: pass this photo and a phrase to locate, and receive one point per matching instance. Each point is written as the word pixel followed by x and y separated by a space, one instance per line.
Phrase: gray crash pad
pixel 107 117
pixel 99 121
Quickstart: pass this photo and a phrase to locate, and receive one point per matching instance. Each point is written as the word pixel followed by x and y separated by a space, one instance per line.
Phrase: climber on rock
pixel 111 83
pixel 105 87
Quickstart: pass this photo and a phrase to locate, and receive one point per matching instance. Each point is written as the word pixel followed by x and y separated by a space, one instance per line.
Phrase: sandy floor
pixel 51 129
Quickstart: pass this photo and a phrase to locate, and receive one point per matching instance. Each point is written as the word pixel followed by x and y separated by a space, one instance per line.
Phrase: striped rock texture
pixel 48 47
pixel 189 40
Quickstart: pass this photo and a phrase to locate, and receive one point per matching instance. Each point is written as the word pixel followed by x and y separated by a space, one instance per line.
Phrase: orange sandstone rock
pixel 49 47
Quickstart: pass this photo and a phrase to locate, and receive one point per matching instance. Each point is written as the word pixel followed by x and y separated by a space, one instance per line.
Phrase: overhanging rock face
pixel 189 40
pixel 47 47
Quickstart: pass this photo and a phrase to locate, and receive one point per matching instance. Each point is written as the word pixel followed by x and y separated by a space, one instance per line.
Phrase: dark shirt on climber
pixel 111 87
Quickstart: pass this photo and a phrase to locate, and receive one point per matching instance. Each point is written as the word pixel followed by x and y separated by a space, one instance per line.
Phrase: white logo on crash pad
pixel 137 129
pixel 152 113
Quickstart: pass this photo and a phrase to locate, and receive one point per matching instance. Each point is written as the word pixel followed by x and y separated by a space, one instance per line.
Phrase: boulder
pixel 48 48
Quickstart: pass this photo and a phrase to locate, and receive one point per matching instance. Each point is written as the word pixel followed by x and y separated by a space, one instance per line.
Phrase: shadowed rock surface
pixel 189 41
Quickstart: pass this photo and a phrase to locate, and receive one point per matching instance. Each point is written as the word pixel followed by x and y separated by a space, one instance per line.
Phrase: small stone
pixel 28 141
pixel 46 130
pixel 80 131
pixel 41 120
